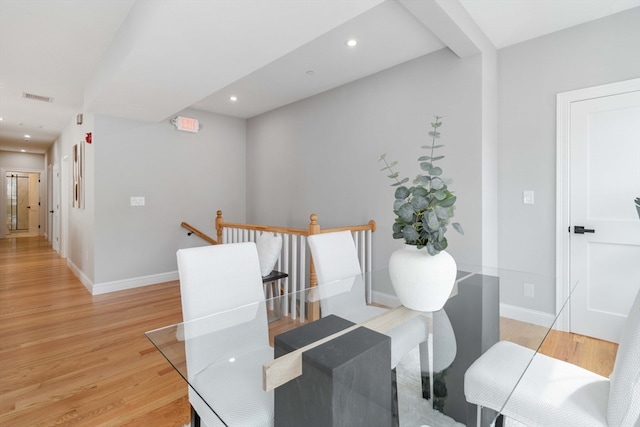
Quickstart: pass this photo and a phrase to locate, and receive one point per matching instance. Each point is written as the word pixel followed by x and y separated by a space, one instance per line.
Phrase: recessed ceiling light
pixel 351 42
pixel 233 98
pixel 27 136
pixel 23 151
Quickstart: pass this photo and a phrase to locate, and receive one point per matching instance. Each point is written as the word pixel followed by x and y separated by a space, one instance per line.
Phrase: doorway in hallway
pixel 22 217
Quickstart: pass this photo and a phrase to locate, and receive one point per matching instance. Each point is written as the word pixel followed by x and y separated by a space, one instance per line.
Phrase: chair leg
pixel 195 418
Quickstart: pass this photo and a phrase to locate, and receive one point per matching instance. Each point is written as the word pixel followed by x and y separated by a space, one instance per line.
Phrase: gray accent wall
pixel 183 177
pixel 530 75
pixel 320 155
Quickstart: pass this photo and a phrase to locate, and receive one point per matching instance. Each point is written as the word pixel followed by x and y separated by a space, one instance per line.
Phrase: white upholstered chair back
pixel 623 408
pixel 334 256
pixel 218 277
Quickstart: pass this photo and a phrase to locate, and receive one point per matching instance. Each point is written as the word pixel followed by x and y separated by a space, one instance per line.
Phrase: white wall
pixel 530 76
pixel 320 155
pixel 77 224
pixel 183 177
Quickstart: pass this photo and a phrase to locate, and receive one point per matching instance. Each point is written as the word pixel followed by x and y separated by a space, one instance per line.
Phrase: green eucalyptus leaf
pixel 436 183
pixel 420 191
pixel 437 158
pixel 402 192
pixel 434 134
pixel 397 204
pixel 432 220
pixel 382 156
pixel 436 171
pixel 419 202
pixel 393 175
pixel 406 213
pixel 431 249
pixel 458 228
pixel 410 235
pixel 439 195
pixel 442 213
pixel 441 245
pixel 426 166
pixel 449 201
pixel 421 180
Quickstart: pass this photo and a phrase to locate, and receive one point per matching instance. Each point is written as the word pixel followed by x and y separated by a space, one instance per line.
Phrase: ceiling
pixel 148 60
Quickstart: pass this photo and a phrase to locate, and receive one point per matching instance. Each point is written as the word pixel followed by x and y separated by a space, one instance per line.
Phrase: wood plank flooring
pixel 590 353
pixel 68 358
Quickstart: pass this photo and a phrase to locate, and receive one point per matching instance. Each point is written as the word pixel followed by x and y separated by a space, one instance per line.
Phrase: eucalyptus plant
pixel 425 209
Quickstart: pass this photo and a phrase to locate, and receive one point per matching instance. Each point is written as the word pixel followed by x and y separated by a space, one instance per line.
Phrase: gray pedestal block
pixel 344 382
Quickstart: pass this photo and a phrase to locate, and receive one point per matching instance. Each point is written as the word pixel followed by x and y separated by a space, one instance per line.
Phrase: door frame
pixel 563 184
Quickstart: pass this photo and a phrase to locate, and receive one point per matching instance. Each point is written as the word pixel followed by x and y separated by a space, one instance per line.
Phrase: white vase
pixel 421 281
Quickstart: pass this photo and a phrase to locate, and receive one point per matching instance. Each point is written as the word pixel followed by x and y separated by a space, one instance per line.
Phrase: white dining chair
pixel 226 279
pixel 554 392
pixel 340 286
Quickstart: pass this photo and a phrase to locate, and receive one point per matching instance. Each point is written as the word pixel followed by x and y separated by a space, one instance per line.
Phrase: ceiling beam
pixel 451 23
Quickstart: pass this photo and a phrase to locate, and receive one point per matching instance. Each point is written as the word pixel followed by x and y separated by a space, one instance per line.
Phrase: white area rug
pixel 414 411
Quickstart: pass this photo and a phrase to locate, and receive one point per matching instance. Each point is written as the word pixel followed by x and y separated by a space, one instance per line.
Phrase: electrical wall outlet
pixel 137 201
pixel 529 290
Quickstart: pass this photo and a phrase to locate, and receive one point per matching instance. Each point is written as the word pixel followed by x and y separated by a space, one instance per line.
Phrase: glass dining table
pixel 348 354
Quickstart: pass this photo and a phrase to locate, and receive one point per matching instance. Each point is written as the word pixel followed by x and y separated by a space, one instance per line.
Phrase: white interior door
pixel 604 150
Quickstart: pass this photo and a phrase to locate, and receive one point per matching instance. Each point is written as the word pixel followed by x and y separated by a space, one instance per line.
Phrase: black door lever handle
pixel 579 229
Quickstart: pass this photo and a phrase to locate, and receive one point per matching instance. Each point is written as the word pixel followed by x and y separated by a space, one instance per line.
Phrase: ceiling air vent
pixel 37 97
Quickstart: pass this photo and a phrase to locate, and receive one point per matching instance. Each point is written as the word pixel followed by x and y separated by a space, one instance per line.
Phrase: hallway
pixel 70 358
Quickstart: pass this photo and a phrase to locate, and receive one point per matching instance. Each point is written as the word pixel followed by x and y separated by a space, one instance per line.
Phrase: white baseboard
pixel 136 282
pixel 527 315
pixel 384 299
pixel 80 275
pixel 121 285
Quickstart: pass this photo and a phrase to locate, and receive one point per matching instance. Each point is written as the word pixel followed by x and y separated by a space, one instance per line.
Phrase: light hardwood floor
pixel 69 358
pixel 72 359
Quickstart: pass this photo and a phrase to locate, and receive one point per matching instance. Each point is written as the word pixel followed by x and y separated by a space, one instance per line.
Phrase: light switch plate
pixel 527 197
pixel 137 201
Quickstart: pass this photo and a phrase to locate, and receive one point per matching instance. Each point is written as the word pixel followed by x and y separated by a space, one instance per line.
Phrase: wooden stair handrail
pixel 198 233
pixel 313 228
